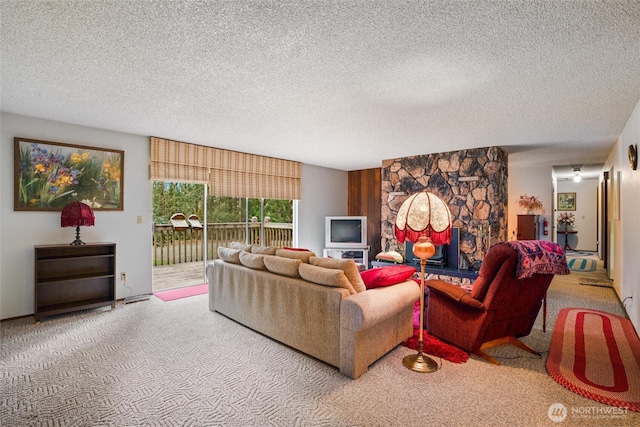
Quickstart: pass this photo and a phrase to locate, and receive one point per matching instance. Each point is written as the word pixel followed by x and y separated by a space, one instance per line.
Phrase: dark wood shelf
pixel 51 258
pixel 49 310
pixel 73 251
pixel 69 278
pixel 46 281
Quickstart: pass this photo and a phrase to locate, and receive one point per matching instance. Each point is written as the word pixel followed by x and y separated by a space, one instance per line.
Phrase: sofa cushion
pixel 255 261
pixel 229 255
pixel 325 276
pixel 386 276
pixel 240 246
pixel 264 250
pixel 391 256
pixel 347 265
pixel 289 253
pixel 282 266
pixel 296 249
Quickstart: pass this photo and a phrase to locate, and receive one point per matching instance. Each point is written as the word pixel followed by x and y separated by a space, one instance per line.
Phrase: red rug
pixel 432 345
pixel 597 355
pixel 187 291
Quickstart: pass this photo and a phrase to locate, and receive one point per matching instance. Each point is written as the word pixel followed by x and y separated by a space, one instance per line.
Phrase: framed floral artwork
pixel 49 175
pixel 566 201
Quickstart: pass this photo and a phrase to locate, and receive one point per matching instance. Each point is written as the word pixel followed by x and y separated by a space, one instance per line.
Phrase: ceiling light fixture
pixel 576 175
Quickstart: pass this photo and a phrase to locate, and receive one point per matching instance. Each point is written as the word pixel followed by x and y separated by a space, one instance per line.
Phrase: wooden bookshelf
pixel 70 278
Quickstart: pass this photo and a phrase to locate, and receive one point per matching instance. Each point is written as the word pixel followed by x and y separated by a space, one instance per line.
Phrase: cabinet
pixel 69 278
pixel 359 255
pixel 528 227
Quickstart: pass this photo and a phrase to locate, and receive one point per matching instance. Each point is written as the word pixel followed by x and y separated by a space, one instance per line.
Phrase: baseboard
pixel 143 297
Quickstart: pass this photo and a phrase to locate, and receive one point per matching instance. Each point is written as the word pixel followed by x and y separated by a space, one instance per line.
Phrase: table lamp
pixel 77 214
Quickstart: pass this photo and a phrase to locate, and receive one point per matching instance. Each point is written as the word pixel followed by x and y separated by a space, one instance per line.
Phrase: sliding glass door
pixel 181 250
pixel 178 235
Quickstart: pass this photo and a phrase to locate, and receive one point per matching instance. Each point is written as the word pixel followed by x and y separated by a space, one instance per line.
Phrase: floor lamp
pixel 425 220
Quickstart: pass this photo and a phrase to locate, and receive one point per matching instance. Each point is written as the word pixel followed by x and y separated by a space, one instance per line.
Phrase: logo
pixel 557 412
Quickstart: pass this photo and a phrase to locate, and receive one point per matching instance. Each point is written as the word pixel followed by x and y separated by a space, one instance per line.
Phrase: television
pixel 345 232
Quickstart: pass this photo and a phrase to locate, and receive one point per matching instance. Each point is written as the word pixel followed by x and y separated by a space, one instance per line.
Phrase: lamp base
pixel 77 241
pixel 420 363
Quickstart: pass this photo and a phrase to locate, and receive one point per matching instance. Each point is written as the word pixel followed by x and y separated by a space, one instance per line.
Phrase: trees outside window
pixel 173 197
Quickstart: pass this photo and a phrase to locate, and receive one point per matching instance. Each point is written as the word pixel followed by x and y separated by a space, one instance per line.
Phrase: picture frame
pixel 566 201
pixel 49 175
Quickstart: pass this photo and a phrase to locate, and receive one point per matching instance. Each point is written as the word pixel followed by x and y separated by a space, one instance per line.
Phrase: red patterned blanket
pixel 538 256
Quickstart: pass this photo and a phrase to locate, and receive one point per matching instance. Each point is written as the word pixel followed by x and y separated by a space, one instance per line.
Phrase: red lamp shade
pixel 424 215
pixel 77 214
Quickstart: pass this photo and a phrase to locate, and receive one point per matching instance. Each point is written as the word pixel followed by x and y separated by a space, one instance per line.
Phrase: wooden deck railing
pixel 171 246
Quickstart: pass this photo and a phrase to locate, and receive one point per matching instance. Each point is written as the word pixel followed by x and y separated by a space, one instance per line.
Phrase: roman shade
pixel 178 161
pixel 228 173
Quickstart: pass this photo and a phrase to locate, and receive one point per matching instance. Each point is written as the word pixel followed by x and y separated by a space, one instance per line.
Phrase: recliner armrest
pixel 365 309
pixel 453 292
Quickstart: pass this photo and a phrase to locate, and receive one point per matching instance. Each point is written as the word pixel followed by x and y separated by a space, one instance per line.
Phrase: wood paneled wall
pixel 364 200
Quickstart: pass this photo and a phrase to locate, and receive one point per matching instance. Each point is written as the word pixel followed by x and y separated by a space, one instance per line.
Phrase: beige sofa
pixel 335 323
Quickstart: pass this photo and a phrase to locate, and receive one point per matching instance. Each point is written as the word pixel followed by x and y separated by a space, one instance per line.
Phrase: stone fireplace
pixel 472 182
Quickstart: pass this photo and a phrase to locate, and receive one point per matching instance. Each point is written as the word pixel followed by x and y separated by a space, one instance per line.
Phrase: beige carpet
pixel 591 278
pixel 594 281
pixel 178 364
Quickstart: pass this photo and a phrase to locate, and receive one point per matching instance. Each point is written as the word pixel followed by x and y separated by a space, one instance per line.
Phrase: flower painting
pixel 566 201
pixel 49 175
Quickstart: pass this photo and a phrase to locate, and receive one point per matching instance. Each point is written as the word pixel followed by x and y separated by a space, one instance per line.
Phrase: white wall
pixel 21 230
pixel 586 214
pixel 527 176
pixel 324 192
pixel 626 228
pixel 533 179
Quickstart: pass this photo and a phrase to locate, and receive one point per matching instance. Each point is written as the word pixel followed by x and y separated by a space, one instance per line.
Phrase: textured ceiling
pixel 341 84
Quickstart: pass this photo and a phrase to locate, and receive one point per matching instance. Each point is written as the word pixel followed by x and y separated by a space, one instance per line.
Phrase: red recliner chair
pixel 504 301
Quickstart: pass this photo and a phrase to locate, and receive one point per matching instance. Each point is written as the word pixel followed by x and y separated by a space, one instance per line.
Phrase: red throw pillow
pixel 386 276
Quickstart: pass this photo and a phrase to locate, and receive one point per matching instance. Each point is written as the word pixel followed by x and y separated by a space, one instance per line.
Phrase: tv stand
pixel 359 255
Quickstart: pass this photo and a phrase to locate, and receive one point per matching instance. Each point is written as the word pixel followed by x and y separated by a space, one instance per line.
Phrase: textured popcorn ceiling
pixel 342 84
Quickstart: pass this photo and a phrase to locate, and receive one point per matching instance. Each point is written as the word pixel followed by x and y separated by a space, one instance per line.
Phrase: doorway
pixel 178 251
